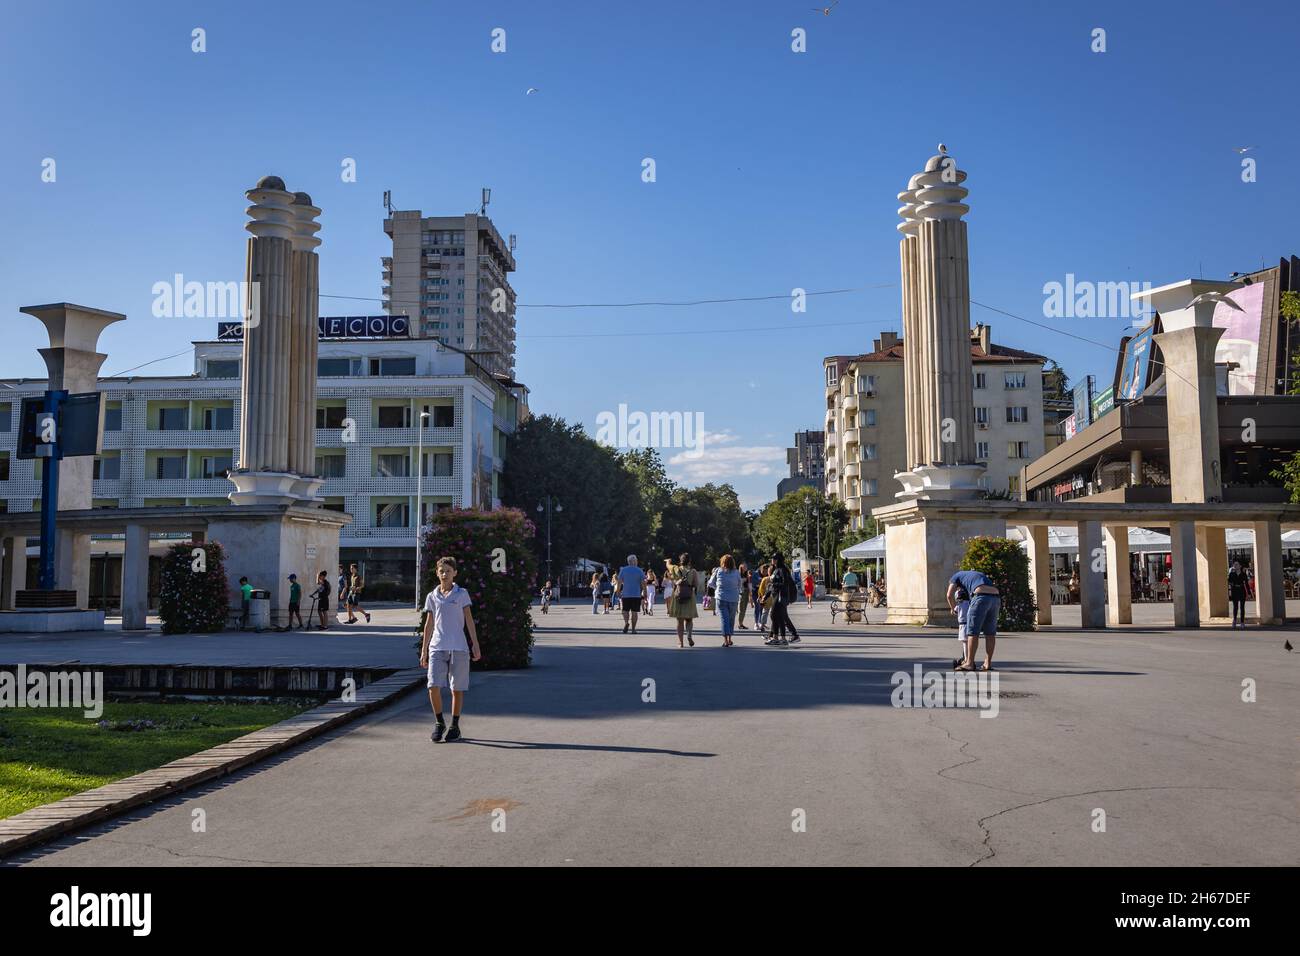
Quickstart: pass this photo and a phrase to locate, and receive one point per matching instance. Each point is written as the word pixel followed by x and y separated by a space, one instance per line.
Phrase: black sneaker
pixel 624 628
pixel 453 733
pixel 438 731
pixel 795 640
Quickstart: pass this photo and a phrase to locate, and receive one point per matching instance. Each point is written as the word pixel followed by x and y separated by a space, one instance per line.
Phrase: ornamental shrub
pixel 1007 563
pixel 193 602
pixel 501 584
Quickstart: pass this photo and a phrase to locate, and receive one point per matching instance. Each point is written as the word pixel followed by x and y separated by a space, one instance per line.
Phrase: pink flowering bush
pixel 193 602
pixel 500 585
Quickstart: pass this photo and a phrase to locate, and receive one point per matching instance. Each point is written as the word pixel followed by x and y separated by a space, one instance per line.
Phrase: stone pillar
pixel 937 373
pixel 15 571
pixel 73 361
pixel 263 475
pixel 1211 572
pixel 1270 598
pixel 135 578
pixel 1092 593
pixel 1040 569
pixel 1135 466
pixel 1119 596
pixel 304 342
pixel 1182 575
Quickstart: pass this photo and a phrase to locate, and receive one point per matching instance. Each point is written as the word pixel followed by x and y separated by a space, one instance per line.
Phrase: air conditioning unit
pixel 870 393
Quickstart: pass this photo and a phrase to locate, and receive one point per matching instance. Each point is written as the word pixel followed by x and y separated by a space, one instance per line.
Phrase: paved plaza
pixel 1145 724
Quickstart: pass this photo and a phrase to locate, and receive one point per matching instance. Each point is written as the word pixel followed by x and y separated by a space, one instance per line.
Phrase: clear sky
pixel 774 170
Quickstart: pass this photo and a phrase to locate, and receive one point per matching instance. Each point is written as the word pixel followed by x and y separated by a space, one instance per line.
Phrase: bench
pixel 853 608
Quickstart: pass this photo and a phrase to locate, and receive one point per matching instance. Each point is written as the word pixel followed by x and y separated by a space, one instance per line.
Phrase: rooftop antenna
pixel 487 198
pixel 388 201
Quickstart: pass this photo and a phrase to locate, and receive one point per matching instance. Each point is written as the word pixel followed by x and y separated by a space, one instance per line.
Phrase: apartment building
pixel 169 440
pixel 449 275
pixel 866 444
pixel 807 461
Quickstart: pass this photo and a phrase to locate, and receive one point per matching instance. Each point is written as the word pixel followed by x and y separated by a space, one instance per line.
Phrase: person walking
pixel 763 603
pixel 809 585
pixel 686 585
pixel 343 589
pixel 295 600
pixel 1237 594
pixel 651 586
pixel 783 590
pixel 981 616
pixel 631 581
pixel 546 598
pixel 744 597
pixel 666 582
pixel 755 598
pixel 710 589
pixel 448 644
pixel 595 592
pixel 245 600
pixel 728 596
pixel 322 596
pixel 355 586
pixel 606 592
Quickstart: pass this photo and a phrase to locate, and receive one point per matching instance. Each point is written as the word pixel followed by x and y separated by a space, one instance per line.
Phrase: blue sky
pixel 775 170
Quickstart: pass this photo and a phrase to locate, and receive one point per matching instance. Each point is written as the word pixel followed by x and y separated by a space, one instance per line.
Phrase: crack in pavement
pixel 988 833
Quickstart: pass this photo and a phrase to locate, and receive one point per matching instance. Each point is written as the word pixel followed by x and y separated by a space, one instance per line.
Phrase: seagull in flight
pixel 826 11
pixel 1242 150
pixel 530 91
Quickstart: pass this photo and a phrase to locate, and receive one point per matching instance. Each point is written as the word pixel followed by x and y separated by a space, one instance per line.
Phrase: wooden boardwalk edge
pixel 44 823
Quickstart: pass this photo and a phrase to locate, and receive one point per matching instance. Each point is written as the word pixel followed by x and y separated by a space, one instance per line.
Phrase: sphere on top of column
pixel 305 225
pixel 270 213
pixel 911 223
pixel 939 195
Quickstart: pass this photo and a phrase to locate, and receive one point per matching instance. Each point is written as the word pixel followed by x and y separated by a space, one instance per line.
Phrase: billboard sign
pixel 338 327
pixel 1103 402
pixel 1083 393
pixel 1136 365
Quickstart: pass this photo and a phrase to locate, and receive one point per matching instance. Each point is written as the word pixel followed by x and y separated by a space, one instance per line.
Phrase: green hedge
pixel 193 602
pixel 1006 562
pixel 501 598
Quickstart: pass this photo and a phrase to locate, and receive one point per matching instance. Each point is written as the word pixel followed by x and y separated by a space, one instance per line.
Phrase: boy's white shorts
pixel 961 633
pixel 449 669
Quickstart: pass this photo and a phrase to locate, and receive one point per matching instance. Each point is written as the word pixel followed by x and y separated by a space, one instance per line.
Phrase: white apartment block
pixel 865 441
pixel 168 441
pixel 449 275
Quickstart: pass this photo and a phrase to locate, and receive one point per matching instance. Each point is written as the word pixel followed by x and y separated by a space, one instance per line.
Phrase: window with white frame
pixel 1017 414
pixel 981 380
pixel 1017 449
pixel 1015 380
pixel 981 451
pixel 981 415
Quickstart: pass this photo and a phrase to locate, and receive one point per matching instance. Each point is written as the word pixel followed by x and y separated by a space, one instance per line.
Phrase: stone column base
pixel 921 555
pixel 268 550
pixel 941 482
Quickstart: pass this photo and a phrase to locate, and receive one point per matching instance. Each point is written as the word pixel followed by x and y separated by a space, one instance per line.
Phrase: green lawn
pixel 49 754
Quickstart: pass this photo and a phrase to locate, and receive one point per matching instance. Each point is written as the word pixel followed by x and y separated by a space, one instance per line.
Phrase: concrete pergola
pixel 245 524
pixel 1197 543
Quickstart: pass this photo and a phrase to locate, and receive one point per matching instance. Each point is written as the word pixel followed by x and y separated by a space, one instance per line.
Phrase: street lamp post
pixel 551 502
pixel 419 502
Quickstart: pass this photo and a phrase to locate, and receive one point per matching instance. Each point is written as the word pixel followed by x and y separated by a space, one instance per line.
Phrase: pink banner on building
pixel 1240 341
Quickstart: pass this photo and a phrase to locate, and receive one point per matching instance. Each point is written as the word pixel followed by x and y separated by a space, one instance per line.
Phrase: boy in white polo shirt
pixel 444 650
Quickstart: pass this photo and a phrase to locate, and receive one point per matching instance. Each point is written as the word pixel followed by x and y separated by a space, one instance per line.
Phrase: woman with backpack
pixel 686 586
pixel 783 593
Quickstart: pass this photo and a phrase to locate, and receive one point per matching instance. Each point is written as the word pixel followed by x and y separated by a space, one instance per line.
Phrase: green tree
pixel 193 601
pixel 603 516
pixel 499 570
pixel 706 522
pixel 789 523
pixel 1007 563
pixel 653 484
pixel 1289 473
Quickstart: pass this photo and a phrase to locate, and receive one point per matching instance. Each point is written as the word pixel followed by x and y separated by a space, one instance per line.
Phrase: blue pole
pixel 50 494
